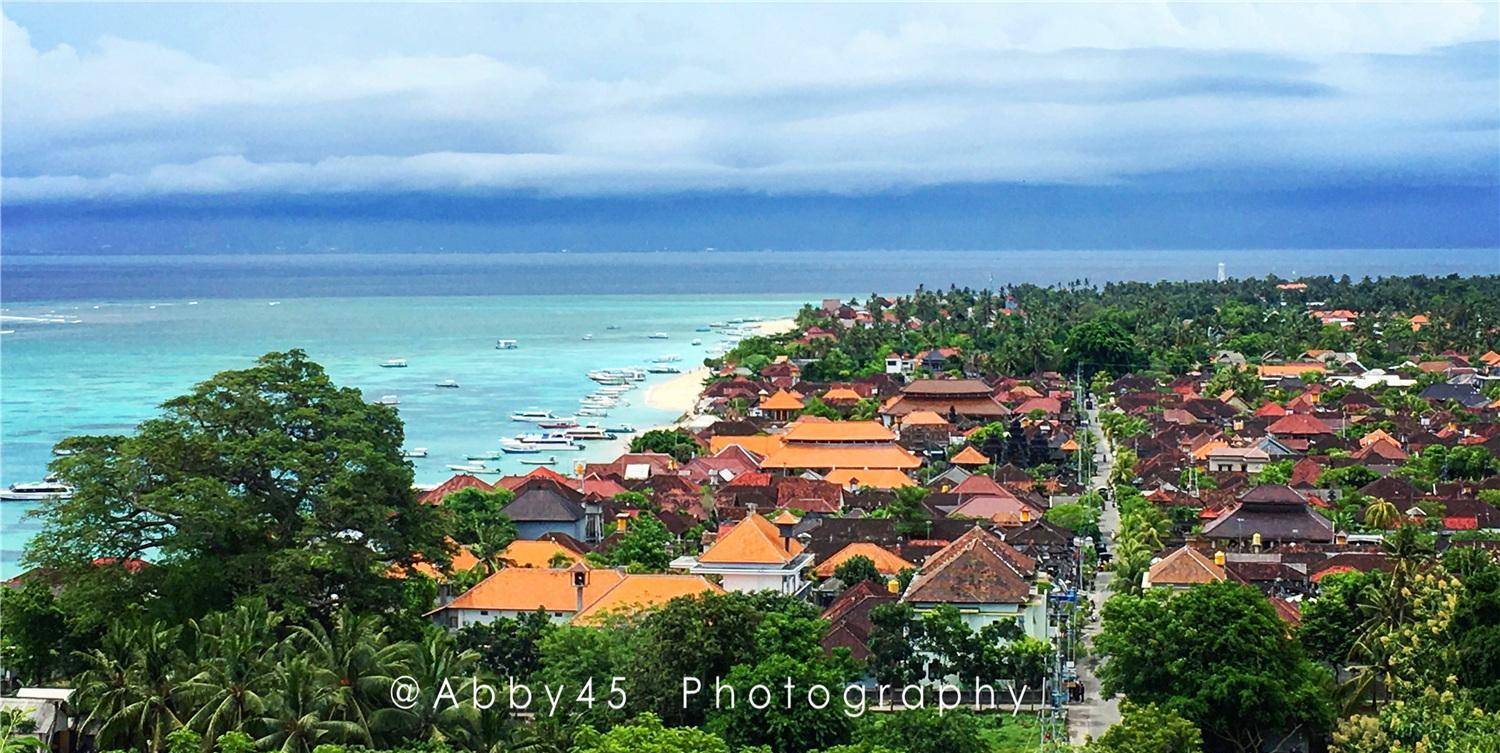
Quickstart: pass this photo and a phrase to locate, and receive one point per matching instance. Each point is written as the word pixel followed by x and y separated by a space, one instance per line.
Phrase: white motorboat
pixel 415 452
pixel 697 341
pixel 517 447
pixel 549 460
pixel 561 423
pixel 506 345
pixel 448 384
pixel 491 455
pixel 34 491
pixel 548 441
pixel 615 389
pixel 587 433
pixel 669 358
pixel 593 412
pixel 657 336
pixel 388 400
pixel 621 429
pixel 588 336
pixel 394 363
pixel 469 468
pixel 664 369
pixel 533 415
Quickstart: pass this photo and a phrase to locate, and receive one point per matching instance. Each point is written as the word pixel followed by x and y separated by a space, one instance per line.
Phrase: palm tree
pixel 298 719
pixel 357 662
pixel 13 733
pixel 129 684
pixel 1382 514
pixel 236 652
pixel 433 660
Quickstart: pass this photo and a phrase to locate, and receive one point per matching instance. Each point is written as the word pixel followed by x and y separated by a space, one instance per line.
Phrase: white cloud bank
pixel 774 99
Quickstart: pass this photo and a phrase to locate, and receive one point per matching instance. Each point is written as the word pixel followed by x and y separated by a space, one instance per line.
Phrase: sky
pixel 186 127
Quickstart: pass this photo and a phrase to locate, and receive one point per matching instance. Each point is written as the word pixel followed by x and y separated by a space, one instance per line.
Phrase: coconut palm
pixel 14 736
pixel 299 717
pixel 431 661
pixel 357 662
pixel 129 683
pixel 235 653
pixel 1382 514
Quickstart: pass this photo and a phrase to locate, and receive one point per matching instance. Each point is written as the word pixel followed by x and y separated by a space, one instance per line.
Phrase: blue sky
pixel 417 126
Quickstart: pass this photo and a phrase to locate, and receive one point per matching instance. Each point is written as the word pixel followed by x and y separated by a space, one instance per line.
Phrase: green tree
pixel 355 660
pixel 477 520
pixel 508 647
pixel 1081 519
pixel 1219 656
pixel 1148 729
pixel 1330 622
pixel 910 514
pixel 127 687
pixel 16 727
pixel 37 638
pixel 235 653
pixel 645 547
pixel 784 728
pixel 645 734
pixel 856 569
pixel 924 731
pixel 675 442
pixel 268 480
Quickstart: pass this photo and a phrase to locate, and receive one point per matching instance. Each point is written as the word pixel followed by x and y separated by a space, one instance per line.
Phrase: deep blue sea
pixel 92 344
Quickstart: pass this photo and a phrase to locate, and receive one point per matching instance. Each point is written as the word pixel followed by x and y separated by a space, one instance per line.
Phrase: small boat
pixel 588 336
pixel 562 423
pixel 697 341
pixel 34 491
pixel 704 328
pixel 469 468
pixel 593 412
pixel 388 400
pixel 491 455
pixel 394 363
pixel 448 384
pixel 664 369
pixel 621 429
pixel 669 358
pixel 657 336
pixel 533 415
pixel 415 452
pixel 613 326
pixel 613 390
pixel 505 345
pixel 549 460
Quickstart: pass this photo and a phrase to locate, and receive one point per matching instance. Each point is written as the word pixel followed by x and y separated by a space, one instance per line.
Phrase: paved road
pixel 1094 715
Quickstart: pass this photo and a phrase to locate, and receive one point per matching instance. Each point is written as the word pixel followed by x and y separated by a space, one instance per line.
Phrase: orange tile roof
pixel 870 478
pixel 462 560
pixel 924 418
pixel 786 518
pixel 1376 436
pixel 1490 358
pixel 520 589
pixel 841 395
pixel 1203 452
pixel 760 444
pixel 803 430
pixel 782 400
pixel 886 562
pixel 834 456
pixel 970 456
pixel 1069 446
pixel 458 481
pixel 755 541
pixel 1281 370
pixel 640 592
pixel 1186 566
pixel 538 554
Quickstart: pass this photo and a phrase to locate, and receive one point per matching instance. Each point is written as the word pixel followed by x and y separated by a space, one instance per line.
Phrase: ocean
pixel 92 344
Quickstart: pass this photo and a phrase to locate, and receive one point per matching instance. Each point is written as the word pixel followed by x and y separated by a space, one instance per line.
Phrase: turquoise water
pixel 109 370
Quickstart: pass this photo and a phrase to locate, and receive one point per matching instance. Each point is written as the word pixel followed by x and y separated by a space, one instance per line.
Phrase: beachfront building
pixel 967 401
pixel 754 554
pixel 573 594
pixel 988 581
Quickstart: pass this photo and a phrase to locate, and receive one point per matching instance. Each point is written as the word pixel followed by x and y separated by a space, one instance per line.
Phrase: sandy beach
pixel 775 327
pixel 678 394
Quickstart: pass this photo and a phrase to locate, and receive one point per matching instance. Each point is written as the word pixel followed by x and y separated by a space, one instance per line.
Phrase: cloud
pixel 558 101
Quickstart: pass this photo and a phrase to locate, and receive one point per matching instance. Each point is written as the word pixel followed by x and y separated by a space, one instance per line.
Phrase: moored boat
pixel 506 345
pixel 31 491
pixel 533 415
pixel 394 363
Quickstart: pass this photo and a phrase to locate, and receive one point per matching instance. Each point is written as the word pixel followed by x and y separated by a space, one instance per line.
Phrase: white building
pixel 755 555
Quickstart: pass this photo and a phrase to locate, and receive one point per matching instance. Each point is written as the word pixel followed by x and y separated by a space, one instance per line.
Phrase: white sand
pixel 678 394
pixel 775 327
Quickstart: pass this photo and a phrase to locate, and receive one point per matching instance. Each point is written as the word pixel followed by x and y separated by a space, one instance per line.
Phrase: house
pixel 541 508
pixel 1184 568
pixel 1267 515
pixel 898 364
pixel 848 618
pixel 886 562
pixel 820 445
pixel 1275 372
pixel 968 400
pixel 754 554
pixel 1237 460
pixel 55 724
pixel 781 406
pixel 573 594
pixel 970 458
pixel 436 494
pixel 988 581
